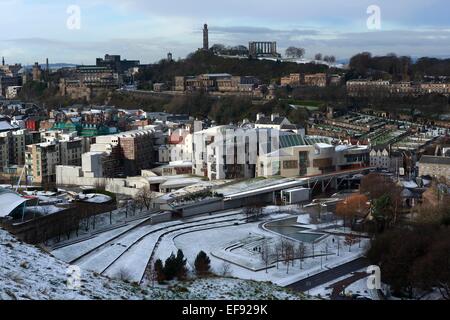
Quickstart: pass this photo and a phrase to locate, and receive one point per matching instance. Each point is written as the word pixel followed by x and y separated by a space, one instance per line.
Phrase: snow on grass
pixel 244 260
pixel 135 259
pixel 130 253
pixel 72 252
pixel 28 273
pixel 129 250
pixel 358 287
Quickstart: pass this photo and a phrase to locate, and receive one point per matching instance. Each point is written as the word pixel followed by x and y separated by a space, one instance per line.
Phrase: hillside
pixel 27 273
pixel 206 62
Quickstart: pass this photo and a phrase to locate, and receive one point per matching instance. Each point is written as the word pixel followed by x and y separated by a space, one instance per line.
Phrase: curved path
pixel 129 253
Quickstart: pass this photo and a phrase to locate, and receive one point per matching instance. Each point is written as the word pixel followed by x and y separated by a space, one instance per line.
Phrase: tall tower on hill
pixel 205 37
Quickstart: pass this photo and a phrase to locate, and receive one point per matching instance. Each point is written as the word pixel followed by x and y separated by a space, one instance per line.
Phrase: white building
pixel 201 140
pixel 227 152
pixel 180 145
pixel 380 159
pixel 12 92
pixel 308 156
pixel 92 164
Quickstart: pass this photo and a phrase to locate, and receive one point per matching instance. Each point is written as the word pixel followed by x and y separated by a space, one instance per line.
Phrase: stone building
pixel 315 80
pixel 88 81
pixel 36 72
pixel 293 80
pixel 380 159
pixel 220 82
pixel 259 49
pixel 435 166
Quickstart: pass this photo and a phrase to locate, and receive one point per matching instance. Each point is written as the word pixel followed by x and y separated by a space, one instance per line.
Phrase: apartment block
pixel 41 160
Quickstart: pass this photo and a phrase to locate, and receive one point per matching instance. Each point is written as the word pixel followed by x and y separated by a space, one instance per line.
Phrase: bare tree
pixel 329 59
pixel 301 253
pixel 151 272
pixel 294 52
pixel 133 207
pixel 318 56
pixel 266 254
pixel 287 253
pixel 100 185
pixel 278 252
pixel 124 275
pixel 226 269
pixel 144 198
pixel 252 213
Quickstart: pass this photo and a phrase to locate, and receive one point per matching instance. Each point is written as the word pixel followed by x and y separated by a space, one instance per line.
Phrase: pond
pixel 290 228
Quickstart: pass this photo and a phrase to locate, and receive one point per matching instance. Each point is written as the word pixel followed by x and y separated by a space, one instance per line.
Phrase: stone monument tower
pixel 205 37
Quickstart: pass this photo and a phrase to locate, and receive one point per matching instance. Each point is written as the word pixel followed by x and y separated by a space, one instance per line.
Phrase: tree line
pixel 413 253
pixel 397 68
pixel 175 267
pixel 207 62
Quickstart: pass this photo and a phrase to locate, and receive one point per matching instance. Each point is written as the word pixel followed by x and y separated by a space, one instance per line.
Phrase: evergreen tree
pixel 180 263
pixel 159 269
pixel 202 264
pixel 170 267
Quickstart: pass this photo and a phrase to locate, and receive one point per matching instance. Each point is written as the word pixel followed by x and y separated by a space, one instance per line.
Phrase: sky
pixel 147 30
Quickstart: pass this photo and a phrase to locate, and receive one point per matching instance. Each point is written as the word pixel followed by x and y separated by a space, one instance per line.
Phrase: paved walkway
pixel 340 286
pixel 329 275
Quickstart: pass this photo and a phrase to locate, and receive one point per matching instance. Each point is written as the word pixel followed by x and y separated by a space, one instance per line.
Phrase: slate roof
pixel 268 120
pixel 435 160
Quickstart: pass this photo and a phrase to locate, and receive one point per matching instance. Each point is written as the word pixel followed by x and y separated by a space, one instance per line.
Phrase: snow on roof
pixel 283 184
pixel 9 201
pixel 45 210
pixel 5 125
pixel 323 145
pixel 176 183
pixel 409 184
pixel 95 198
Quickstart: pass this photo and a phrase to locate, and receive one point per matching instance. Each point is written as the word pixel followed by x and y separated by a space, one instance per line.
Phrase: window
pixel 276 168
pixel 303 162
pixel 292 164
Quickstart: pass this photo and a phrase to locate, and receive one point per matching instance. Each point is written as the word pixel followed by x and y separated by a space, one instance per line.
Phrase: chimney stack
pixel 259 116
pixel 274 116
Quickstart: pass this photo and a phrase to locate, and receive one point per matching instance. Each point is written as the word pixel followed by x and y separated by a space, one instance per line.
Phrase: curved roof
pixel 9 201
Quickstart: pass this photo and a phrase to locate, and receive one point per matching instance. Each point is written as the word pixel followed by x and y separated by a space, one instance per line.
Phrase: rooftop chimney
pixel 274 116
pixel 259 116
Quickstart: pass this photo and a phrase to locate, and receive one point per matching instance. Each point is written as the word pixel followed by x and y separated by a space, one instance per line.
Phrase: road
pixel 329 275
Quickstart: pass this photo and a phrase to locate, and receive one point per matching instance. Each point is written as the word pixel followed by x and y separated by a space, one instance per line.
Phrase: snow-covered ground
pixel 358 287
pixel 214 241
pixel 226 237
pixel 118 253
pixel 28 273
pixel 103 223
pixel 74 251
